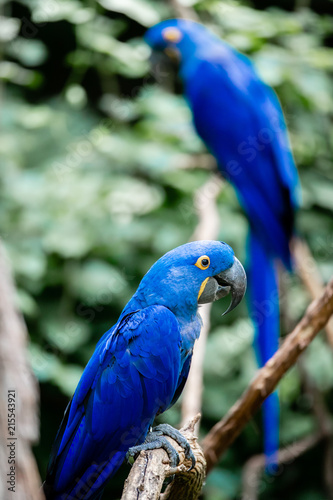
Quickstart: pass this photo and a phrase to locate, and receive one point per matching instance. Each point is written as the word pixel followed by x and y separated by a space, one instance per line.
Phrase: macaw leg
pixel 156 438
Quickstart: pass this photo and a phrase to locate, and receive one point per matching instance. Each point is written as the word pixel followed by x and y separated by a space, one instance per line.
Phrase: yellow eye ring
pixel 172 34
pixel 203 262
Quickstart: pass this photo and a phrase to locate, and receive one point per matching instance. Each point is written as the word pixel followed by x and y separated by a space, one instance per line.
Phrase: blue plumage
pixel 137 371
pixel 241 122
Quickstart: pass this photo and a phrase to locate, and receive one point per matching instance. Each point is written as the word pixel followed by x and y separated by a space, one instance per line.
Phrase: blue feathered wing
pixel 132 376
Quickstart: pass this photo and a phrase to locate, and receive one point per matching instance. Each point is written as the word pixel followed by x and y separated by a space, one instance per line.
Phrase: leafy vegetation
pixel 93 191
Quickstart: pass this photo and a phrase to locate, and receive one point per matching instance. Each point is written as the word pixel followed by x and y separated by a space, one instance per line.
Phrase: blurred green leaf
pixel 143 11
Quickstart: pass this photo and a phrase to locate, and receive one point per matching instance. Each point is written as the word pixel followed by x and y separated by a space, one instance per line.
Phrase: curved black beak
pixel 233 281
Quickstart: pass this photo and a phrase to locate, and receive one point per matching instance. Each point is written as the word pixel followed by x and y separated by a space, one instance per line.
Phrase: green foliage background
pixel 93 191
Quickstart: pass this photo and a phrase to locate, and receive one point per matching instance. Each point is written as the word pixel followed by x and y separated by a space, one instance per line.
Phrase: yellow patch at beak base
pixel 172 34
pixel 203 284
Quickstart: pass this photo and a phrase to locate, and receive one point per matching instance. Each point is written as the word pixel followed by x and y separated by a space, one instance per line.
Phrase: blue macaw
pixel 241 122
pixel 139 369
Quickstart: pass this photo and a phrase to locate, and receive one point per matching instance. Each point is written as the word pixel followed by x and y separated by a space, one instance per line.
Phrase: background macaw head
pixel 192 274
pixel 178 38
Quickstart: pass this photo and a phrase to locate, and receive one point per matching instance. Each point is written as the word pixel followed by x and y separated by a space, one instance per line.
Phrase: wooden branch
pixel 192 393
pixel 200 161
pixel 225 432
pixel 307 270
pixel 255 465
pixel 183 11
pixel 207 229
pixel 205 205
pixel 151 468
pixel 16 376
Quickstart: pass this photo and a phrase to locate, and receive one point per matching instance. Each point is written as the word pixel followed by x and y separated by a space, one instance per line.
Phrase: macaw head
pixel 178 38
pixel 195 273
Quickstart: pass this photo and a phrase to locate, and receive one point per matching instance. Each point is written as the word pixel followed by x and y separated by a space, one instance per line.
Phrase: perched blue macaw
pixel 241 122
pixel 139 369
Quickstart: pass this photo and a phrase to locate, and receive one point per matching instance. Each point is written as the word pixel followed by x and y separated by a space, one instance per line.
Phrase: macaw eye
pixel 203 262
pixel 172 35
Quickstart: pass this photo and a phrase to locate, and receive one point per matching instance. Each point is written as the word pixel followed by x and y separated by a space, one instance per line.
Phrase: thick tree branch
pixel 151 468
pixel 225 432
pixel 16 377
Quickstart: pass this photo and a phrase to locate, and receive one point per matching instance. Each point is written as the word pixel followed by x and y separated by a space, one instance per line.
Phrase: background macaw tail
pixel 264 308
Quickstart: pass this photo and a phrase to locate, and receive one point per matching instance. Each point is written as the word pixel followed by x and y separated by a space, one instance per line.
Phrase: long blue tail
pixel 264 307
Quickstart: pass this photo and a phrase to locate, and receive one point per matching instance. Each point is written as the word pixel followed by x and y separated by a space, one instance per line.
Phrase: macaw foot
pixel 156 438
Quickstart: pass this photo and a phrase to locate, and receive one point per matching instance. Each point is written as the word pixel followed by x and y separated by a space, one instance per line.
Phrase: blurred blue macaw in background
pixel 240 120
pixel 139 369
